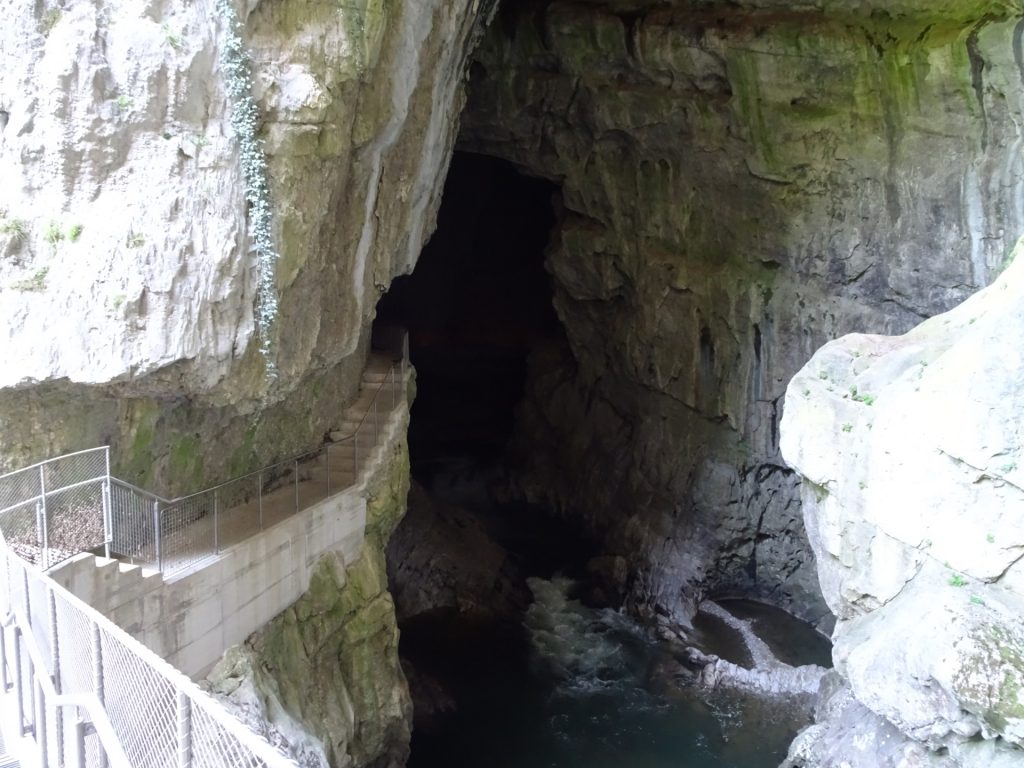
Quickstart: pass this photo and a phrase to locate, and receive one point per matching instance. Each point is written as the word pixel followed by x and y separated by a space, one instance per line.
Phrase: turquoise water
pixel 575 687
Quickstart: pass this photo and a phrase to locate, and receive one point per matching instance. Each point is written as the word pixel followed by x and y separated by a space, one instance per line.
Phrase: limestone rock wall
pixel 911 449
pixel 127 272
pixel 740 183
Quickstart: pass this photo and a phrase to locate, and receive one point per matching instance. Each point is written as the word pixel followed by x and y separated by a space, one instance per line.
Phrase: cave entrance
pixel 512 652
pixel 477 302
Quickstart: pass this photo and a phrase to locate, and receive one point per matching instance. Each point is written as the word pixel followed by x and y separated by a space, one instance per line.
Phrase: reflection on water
pixel 575 687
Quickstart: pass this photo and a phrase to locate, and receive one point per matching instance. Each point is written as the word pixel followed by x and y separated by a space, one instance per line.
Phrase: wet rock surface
pixel 765 675
pixel 739 184
pixel 442 557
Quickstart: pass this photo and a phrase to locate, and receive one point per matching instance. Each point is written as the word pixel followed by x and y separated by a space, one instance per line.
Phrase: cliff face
pixel 128 276
pixel 740 183
pixel 911 450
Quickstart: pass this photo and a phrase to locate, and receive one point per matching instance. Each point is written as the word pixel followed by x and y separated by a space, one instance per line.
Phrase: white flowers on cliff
pixel 245 115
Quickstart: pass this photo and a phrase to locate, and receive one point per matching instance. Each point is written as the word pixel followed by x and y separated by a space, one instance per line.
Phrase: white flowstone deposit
pixel 911 453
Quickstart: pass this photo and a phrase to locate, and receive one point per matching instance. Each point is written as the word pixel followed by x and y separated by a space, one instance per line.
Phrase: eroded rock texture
pixel 911 450
pixel 127 274
pixel 740 183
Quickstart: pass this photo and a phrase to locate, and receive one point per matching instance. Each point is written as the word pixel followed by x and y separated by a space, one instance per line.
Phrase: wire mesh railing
pixel 58 508
pixel 55 509
pixel 87 695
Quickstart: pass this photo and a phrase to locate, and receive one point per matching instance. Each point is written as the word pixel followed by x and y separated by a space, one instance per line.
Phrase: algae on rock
pixel 325 672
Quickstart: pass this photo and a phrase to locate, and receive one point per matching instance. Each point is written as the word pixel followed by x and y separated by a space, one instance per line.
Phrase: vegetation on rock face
pixel 244 122
pixel 333 655
pixel 16 229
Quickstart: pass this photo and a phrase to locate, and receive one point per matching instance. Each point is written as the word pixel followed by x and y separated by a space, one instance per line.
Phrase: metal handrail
pixel 47 461
pixel 302 457
pixel 140 491
pixel 93 703
pixel 97 714
pixel 146 528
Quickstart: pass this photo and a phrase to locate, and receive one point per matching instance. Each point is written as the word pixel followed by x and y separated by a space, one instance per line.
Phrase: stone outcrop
pixel 911 454
pixel 441 557
pixel 740 183
pixel 766 675
pixel 127 276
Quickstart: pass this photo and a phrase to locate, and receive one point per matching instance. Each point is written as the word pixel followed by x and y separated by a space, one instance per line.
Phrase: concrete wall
pixel 190 620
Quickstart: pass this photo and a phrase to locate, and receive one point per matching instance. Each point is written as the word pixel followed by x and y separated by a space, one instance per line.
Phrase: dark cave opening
pixel 476 304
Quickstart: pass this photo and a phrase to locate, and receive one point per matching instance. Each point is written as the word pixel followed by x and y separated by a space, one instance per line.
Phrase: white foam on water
pixel 588 651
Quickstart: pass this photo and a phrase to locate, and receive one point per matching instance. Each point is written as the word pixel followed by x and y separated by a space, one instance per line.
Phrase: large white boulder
pixel 912 459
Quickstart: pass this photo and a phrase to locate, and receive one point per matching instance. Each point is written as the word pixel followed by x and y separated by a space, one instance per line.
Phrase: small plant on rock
pixel 135 240
pixel 53 234
pixel 245 116
pixel 847 427
pixel 957 580
pixel 173 38
pixel 74 232
pixel 16 229
pixel 50 20
pixel 37 282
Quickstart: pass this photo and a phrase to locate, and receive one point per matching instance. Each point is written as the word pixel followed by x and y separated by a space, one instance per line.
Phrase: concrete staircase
pixel 121 588
pixel 358 435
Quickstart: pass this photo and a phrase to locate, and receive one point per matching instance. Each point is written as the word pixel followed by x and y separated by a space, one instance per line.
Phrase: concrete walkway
pixel 215 590
pixel 273 496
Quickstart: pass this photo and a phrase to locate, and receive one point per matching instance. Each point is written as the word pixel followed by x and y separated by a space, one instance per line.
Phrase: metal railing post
pixel 216 538
pixel 96 652
pixel 296 485
pixel 19 682
pixel 184 731
pixel 28 596
pixel 108 519
pixel 45 554
pixel 80 743
pixel 39 726
pixel 4 681
pixel 259 495
pixel 54 639
pixel 58 715
pixel 157 543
